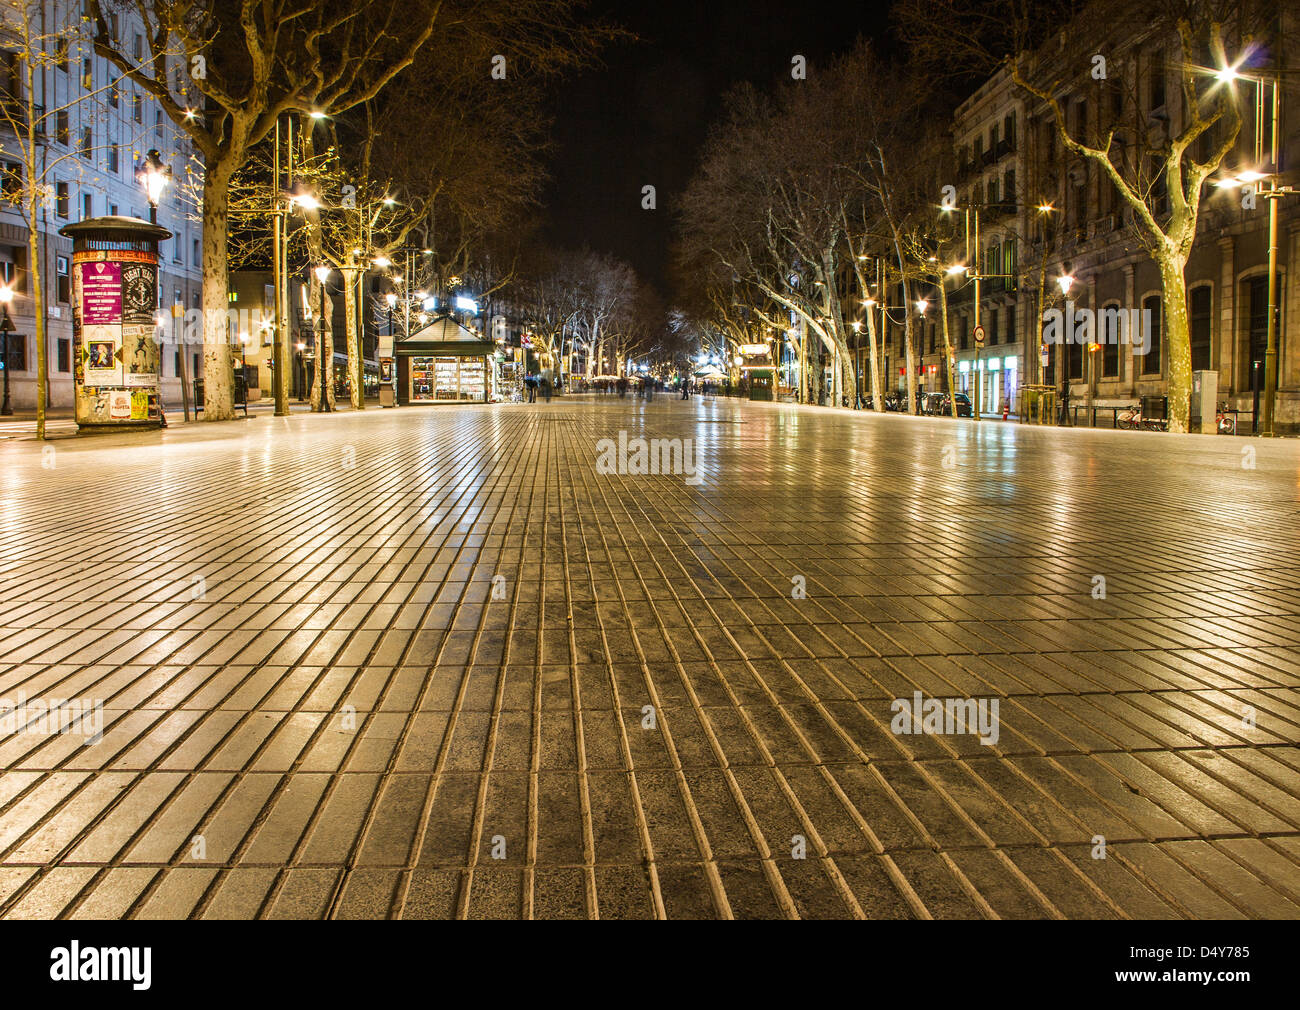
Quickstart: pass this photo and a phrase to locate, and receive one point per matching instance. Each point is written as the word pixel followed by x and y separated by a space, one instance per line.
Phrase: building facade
pixel 1055 234
pixel 88 146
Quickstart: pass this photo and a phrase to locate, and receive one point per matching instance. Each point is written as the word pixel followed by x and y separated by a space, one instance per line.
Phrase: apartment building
pixel 1047 214
pixel 96 130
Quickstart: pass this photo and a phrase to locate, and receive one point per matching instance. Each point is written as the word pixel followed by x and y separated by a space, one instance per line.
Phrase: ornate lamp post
pixel 322 328
pixel 6 327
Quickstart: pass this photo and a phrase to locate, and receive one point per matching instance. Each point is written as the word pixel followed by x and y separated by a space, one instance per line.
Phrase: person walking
pixel 547 383
pixel 531 382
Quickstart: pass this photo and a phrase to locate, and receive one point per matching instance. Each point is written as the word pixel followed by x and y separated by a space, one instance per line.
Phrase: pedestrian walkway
pixel 457 664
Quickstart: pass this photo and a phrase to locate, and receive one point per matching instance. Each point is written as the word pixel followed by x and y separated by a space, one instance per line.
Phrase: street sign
pixel 979 336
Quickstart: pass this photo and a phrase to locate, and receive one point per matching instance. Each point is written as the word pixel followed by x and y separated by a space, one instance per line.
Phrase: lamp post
pixel 1065 282
pixel 322 328
pixel 1266 185
pixel 243 366
pixel 6 328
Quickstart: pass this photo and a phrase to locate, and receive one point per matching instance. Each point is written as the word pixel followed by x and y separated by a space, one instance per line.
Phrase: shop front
pixel 444 363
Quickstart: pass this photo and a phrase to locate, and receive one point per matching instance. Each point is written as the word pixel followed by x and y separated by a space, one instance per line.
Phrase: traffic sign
pixel 979 336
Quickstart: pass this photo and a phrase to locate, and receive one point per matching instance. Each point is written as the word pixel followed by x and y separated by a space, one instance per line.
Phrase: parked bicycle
pixel 1224 421
pixel 1132 418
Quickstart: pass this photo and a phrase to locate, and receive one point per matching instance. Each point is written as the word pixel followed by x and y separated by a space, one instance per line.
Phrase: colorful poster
pixel 385 369
pixel 102 354
pixel 101 293
pixel 144 404
pixel 139 292
pixel 119 405
pixel 139 355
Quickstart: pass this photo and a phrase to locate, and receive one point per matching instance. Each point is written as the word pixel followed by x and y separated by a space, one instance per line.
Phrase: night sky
pixel 641 118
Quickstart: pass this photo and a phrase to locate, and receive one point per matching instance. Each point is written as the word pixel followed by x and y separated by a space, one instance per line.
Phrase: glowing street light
pixel 154 176
pixel 1066 281
pixel 383 262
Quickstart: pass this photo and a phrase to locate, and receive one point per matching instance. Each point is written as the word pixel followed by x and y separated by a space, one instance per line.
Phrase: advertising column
pixel 115 350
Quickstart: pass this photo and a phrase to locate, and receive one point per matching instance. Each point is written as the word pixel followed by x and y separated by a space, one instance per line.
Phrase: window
pixel 112 97
pixel 965 332
pixel 11 181
pixel 198 254
pixel 87 142
pixel 113 162
pixel 112 209
pixel 63 289
pixel 1151 360
pixel 87 74
pixel 1109 331
pixel 1157 79
pixel 61 47
pixel 194 300
pixel 65 355
pixel 137 108
pixel 1201 320
pixel 17 353
pixel 1009 188
pixel 138 46
pixel 1009 130
pixel 61 199
pixel 114 25
pixel 87 206
pixel 61 127
pixel 993 326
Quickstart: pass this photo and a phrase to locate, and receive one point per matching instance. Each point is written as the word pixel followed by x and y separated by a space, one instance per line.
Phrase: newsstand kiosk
pixel 115 353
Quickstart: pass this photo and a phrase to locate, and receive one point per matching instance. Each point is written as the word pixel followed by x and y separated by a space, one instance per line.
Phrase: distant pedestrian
pixel 531 382
pixel 622 386
pixel 547 383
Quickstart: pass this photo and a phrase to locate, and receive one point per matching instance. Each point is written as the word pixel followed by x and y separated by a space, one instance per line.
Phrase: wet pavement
pixel 471 662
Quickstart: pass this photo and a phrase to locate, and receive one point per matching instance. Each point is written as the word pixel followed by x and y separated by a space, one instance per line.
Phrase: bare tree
pixel 1157 160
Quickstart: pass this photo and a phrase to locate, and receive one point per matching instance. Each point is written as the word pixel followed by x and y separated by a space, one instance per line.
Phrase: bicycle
pixel 1225 423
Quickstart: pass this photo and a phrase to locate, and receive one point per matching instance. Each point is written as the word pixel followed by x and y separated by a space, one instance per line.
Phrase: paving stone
pixel 350 719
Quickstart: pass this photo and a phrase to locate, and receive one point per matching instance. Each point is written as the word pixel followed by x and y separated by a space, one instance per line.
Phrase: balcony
pixel 13 113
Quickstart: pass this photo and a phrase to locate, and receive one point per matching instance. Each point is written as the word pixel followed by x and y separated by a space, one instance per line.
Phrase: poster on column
pixel 101 293
pixel 103 354
pixel 139 355
pixel 139 292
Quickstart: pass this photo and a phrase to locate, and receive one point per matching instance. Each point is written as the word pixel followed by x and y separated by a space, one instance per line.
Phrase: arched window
pixel 1151 360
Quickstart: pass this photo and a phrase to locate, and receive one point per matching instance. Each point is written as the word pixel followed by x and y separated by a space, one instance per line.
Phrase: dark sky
pixel 641 118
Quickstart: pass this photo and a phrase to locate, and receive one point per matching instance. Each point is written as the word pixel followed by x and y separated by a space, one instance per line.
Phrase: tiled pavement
pixel 313 706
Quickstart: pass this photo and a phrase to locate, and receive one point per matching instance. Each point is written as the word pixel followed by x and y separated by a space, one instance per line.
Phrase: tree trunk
pixel 36 269
pixel 947 347
pixel 877 397
pixel 218 367
pixel 352 327
pixel 1177 337
pixel 910 351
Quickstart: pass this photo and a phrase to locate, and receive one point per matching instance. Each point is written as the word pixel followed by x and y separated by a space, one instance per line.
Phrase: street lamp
pixel 1266 185
pixel 391 299
pixel 6 327
pixel 154 176
pixel 322 328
